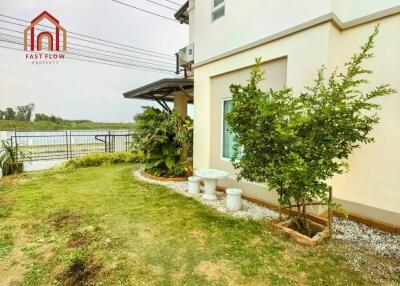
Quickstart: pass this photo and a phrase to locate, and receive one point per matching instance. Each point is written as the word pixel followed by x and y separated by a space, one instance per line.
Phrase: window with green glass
pixel 227 135
pixel 218 2
pixel 218 9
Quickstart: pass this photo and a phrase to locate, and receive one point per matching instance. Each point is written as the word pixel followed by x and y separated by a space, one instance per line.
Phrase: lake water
pixel 40 138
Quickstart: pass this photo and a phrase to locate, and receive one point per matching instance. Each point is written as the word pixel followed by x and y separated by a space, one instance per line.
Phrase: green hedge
pixel 99 159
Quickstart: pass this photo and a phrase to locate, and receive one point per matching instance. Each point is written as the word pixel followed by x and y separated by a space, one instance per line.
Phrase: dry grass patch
pixel 65 220
pixel 217 271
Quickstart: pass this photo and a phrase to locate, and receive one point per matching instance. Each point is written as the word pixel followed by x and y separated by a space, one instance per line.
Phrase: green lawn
pixel 100 226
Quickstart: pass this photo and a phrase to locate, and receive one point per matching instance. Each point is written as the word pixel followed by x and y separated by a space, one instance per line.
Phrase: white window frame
pixel 214 9
pixel 222 129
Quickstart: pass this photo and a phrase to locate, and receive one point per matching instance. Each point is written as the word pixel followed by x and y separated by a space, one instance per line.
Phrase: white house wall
pixel 248 21
pixel 348 10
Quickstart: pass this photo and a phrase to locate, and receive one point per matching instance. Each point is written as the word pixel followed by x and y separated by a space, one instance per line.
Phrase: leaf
pixel 169 163
pixel 158 162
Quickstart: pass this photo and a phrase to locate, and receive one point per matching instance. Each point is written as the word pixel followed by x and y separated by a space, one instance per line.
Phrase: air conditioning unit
pixel 186 56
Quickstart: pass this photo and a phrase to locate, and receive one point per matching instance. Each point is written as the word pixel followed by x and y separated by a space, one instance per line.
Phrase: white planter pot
pixel 234 199
pixel 1 173
pixel 194 185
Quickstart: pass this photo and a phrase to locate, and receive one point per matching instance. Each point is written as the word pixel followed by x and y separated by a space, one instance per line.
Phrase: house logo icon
pixel 36 43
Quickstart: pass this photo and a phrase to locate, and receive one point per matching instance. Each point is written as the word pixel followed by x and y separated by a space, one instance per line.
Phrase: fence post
pixel 109 141
pixel 16 145
pixel 70 145
pixel 66 143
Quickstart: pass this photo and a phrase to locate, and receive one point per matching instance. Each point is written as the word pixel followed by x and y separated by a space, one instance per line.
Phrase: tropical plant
pixel 296 143
pixel 9 155
pixel 161 140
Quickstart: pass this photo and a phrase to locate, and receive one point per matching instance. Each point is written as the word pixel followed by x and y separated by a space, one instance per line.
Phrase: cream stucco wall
pixel 375 168
pixel 371 187
pixel 275 78
pixel 301 65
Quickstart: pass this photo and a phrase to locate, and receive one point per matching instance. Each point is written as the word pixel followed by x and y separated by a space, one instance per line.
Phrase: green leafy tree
pixel 159 140
pixel 51 118
pixel 296 143
pixel 9 114
pixel 24 113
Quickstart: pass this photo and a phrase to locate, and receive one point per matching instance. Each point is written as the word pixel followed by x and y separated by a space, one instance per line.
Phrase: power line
pixel 146 11
pixel 82 60
pixel 173 2
pixel 101 54
pixel 159 4
pixel 106 60
pixel 166 64
pixel 111 65
pixel 82 35
pixel 112 61
pixel 107 51
pixel 150 55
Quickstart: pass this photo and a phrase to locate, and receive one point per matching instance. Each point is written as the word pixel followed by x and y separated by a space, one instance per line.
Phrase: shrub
pixel 9 158
pixel 99 159
pixel 162 141
pixel 296 143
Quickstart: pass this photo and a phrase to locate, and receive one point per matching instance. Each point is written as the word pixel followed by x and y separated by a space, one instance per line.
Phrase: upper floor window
pixel 218 9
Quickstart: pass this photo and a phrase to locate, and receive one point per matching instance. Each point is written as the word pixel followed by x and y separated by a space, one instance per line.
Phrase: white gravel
pixel 361 235
pixel 355 235
pixel 249 209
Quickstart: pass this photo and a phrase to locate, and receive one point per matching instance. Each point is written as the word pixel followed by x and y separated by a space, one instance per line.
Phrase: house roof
pixel 182 14
pixel 162 90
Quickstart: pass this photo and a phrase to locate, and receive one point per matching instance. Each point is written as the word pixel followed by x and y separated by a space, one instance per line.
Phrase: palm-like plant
pixel 9 158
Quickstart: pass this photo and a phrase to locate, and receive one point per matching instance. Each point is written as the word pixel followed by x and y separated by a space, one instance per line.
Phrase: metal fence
pixel 59 145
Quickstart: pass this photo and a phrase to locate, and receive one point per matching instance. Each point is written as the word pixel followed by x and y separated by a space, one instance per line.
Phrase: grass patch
pixel 6 241
pixel 100 226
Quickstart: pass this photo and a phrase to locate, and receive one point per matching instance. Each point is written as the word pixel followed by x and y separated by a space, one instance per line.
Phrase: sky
pixel 82 90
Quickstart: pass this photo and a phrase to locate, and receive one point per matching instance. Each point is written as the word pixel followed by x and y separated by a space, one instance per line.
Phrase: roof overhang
pixel 163 90
pixel 182 15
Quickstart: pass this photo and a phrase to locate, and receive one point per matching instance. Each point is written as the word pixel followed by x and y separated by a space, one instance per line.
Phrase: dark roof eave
pixel 182 14
pixel 160 89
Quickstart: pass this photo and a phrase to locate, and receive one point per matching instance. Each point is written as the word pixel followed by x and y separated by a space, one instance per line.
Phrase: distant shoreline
pixel 14 125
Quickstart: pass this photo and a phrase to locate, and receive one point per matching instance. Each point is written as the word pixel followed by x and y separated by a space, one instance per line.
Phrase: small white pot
pixel 234 199
pixel 194 185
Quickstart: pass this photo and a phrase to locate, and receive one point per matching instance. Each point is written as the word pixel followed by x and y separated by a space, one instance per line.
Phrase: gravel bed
pixel 361 235
pixel 249 209
pixel 362 244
